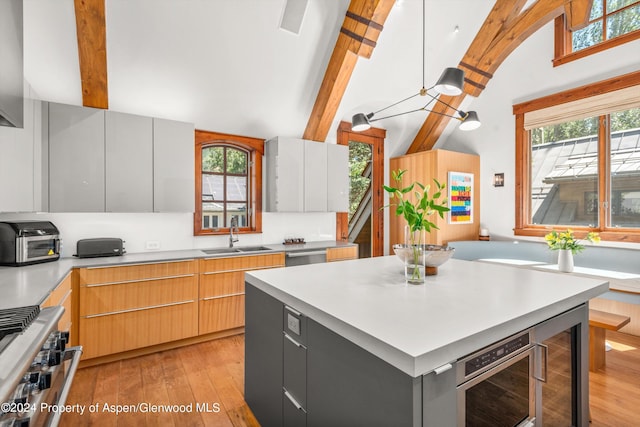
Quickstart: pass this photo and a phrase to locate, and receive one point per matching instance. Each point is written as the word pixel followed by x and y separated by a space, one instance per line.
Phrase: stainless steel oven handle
pixel 66 386
pixel 543 366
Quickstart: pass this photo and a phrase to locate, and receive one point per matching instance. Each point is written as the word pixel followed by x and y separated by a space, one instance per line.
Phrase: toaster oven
pixel 28 242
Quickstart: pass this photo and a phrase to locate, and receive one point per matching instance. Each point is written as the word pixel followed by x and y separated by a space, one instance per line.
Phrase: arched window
pixel 228 183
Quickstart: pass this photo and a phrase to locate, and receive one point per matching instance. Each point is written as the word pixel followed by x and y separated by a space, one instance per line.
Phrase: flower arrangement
pixel 565 240
pixel 417 213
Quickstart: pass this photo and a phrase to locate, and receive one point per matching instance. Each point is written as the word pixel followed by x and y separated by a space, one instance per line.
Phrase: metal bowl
pixel 435 255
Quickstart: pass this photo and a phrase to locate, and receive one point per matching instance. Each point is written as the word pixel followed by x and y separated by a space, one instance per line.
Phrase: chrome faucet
pixel 234 225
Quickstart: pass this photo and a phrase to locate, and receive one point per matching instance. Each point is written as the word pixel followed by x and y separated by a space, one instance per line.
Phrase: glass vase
pixel 415 262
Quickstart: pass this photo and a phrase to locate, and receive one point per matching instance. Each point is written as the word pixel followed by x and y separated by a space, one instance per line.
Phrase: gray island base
pixel 349 344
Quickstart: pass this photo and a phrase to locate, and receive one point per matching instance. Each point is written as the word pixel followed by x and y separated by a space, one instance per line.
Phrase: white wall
pixel 175 231
pixel 526 74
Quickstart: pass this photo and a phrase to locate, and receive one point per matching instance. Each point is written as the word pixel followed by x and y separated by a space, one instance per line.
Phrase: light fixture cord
pixel 423 41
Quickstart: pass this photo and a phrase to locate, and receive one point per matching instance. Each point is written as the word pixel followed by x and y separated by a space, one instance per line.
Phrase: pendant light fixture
pixel 450 83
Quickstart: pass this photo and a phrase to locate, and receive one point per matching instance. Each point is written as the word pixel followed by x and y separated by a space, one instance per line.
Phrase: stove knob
pixel 21 422
pixel 30 377
pixel 54 358
pixel 44 382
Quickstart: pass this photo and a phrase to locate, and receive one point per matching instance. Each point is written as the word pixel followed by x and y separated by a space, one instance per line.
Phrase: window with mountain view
pixel 578 160
pixel 611 22
pixel 566 178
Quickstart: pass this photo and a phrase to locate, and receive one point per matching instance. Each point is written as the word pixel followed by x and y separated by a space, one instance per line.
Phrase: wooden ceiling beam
pixel 577 14
pixel 92 51
pixel 502 32
pixel 360 30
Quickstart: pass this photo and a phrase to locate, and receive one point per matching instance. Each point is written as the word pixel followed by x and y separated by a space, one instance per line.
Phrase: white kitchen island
pixel 396 332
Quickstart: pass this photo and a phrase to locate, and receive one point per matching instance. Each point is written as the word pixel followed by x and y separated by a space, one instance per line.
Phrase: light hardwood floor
pixel 213 373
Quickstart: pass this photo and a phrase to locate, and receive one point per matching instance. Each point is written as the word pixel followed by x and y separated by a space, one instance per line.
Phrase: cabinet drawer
pixel 242 263
pixel 116 333
pixel 293 414
pixel 106 275
pixel 222 313
pixel 100 299
pixel 214 285
pixel 294 377
pixel 339 254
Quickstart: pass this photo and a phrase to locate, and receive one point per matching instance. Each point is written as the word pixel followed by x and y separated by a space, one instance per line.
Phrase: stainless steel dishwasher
pixel 303 257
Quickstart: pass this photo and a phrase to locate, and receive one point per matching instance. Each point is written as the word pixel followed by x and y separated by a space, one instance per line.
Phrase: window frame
pixel 563 52
pixel 255 148
pixel 523 226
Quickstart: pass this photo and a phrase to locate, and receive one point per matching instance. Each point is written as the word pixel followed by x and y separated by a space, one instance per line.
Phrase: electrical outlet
pixel 152 244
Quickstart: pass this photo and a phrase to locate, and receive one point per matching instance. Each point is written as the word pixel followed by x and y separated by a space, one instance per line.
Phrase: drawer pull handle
pixel 294 401
pixel 296 343
pixel 242 270
pixel 297 313
pixel 223 296
pixel 151 279
pixel 140 263
pixel 131 310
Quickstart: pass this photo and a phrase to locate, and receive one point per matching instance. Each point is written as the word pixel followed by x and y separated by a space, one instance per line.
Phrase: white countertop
pixel 467 306
pixel 31 284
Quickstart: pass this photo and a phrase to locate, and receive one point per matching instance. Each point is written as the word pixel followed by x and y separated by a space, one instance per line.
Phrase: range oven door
pixel 501 396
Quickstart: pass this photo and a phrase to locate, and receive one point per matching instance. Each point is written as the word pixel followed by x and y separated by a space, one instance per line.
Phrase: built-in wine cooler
pixel 538 377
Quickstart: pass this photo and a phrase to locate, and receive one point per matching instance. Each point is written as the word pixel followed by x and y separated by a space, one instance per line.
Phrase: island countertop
pixel 467 306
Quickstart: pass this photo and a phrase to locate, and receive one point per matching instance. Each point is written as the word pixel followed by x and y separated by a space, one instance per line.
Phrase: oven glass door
pixel 501 397
pixel 35 248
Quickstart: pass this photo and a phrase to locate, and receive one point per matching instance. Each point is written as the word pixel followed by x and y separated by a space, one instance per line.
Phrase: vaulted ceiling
pixel 227 66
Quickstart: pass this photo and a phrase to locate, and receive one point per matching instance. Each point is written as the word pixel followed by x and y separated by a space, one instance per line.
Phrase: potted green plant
pixel 416 205
pixel 568 245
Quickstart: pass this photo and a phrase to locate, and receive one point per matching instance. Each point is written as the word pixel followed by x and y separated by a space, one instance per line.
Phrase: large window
pixel 578 161
pixel 611 22
pixel 228 183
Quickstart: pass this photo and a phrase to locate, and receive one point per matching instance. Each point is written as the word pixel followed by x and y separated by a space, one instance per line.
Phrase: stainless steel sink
pixel 239 249
pixel 253 249
pixel 220 251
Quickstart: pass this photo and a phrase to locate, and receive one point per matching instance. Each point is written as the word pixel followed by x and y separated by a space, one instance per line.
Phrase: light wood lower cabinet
pixel 222 289
pixel 341 254
pixel 130 307
pixel 61 295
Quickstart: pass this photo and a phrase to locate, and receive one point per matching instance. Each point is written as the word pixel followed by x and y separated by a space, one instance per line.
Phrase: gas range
pixel 36 366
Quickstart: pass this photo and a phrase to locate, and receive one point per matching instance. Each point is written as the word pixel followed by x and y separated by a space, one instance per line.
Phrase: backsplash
pixel 144 232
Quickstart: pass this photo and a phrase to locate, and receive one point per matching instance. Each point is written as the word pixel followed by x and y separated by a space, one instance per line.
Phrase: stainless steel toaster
pixel 99 247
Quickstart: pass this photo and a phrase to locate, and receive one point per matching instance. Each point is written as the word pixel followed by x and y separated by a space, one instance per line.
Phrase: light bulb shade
pixel 470 121
pixel 450 82
pixel 360 122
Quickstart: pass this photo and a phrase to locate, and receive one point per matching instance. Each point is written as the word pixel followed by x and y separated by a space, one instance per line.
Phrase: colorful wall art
pixel 460 198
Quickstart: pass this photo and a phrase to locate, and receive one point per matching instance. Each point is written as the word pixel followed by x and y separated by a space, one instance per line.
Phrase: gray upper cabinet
pixel 306 176
pixel 129 163
pixel 284 175
pixel 11 64
pixel 337 178
pixel 76 159
pixel 105 161
pixel 173 166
